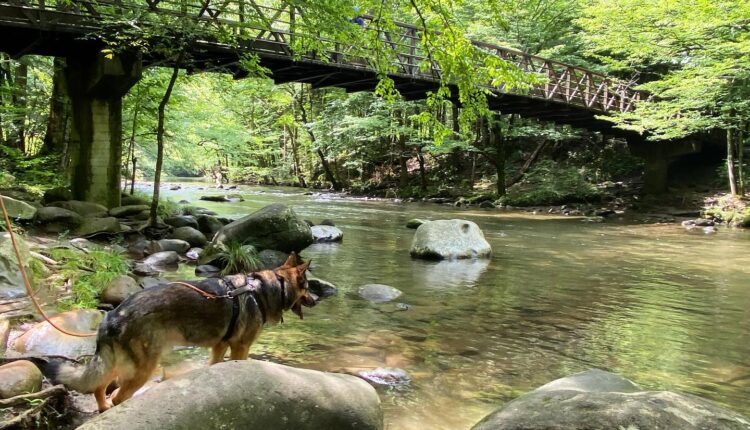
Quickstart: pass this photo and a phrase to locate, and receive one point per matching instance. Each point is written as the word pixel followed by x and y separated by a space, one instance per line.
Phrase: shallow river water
pixel 666 308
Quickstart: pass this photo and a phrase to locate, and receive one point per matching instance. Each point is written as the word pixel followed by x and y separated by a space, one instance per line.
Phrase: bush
pixel 233 257
pixel 550 183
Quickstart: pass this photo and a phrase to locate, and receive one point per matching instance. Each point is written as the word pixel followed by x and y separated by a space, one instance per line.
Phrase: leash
pixel 26 282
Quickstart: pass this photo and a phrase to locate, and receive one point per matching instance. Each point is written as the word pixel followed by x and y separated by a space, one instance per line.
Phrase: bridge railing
pixel 275 28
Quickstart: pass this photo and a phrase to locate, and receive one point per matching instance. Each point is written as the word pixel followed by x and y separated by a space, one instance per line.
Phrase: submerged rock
pixel 206 270
pixel 273 227
pixel 596 399
pixel 326 233
pixel 19 377
pixel 450 239
pixel 19 209
pixel 43 339
pixel 379 293
pixel 387 376
pixel 414 223
pixel 321 288
pixel 249 395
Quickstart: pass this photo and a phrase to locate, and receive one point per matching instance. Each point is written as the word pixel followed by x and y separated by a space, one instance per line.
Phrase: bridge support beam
pixel 96 86
pixel 658 156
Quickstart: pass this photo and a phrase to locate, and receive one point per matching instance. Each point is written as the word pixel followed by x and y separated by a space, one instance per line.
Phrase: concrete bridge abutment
pixel 658 156
pixel 96 85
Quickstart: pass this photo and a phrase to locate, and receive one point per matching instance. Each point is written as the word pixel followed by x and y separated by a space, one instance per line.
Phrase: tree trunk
pixel 730 162
pixel 740 159
pixel 403 178
pixel 422 170
pixel 160 143
pixel 20 78
pixel 55 139
pixel 323 161
pixel 131 149
pixel 498 143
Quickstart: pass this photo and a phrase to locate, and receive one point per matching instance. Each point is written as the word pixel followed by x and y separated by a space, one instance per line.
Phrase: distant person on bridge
pixel 358 19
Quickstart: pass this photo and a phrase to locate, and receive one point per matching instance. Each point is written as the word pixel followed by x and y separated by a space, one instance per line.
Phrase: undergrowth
pixel 550 183
pixel 89 274
pixel 233 257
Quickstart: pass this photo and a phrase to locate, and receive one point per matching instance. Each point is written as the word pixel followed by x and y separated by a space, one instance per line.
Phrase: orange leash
pixel 26 282
pixel 196 289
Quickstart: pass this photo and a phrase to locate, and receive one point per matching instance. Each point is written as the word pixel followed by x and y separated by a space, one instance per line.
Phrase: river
pixel 664 307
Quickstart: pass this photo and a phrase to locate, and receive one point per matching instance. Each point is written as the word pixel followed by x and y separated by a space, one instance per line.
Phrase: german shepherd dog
pixel 132 337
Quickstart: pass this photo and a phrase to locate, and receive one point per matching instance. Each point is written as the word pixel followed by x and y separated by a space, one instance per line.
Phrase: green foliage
pixel 549 183
pixel 233 257
pixel 89 274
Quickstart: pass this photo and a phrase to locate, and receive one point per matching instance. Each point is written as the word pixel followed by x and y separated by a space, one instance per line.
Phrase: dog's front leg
pixel 217 353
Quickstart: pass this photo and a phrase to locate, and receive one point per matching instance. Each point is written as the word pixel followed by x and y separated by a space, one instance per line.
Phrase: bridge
pixel 277 34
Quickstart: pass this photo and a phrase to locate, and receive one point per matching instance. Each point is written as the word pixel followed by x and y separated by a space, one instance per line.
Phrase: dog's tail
pixel 84 378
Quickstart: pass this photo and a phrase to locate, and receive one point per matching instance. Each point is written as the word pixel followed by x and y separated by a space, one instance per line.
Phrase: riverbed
pixel 667 308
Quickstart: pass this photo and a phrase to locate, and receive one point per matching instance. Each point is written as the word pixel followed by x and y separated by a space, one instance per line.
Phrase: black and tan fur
pixel 132 337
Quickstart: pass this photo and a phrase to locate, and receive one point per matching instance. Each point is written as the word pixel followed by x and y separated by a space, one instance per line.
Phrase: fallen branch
pixel 24 399
pixel 44 258
pixel 526 165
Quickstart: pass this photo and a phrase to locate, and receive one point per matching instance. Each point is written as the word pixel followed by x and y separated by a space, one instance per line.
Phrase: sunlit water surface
pixel 666 308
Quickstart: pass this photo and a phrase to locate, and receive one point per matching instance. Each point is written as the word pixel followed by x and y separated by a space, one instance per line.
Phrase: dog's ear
pixel 302 268
pixel 291 261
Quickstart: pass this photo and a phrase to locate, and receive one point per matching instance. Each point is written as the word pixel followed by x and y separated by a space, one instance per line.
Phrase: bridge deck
pixel 566 94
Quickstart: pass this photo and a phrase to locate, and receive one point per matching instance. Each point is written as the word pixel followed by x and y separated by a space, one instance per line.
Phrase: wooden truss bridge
pixel 278 33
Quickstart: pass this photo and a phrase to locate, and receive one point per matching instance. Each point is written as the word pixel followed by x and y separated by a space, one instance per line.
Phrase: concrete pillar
pixel 96 85
pixel 657 157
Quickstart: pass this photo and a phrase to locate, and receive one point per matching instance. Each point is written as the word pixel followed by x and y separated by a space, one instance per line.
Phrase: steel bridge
pixel 564 93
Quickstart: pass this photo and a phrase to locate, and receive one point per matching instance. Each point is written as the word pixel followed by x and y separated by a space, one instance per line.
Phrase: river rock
pixel 327 222
pixel 177 245
pixel 249 394
pixel 92 226
pixel 19 377
pixel 272 227
pixel 57 194
pixel 596 399
pixel 325 233
pixel 18 209
pixel 43 339
pixel 379 293
pixel 162 259
pixel 414 223
pixel 194 254
pixel 84 209
pixel 206 270
pixel 271 259
pixel 220 199
pixel 11 282
pixel 386 376
pixel 119 289
pixel 209 225
pixel 321 288
pixel 190 235
pixel 149 282
pixel 127 210
pixel 182 221
pixel 56 220
pixel 450 239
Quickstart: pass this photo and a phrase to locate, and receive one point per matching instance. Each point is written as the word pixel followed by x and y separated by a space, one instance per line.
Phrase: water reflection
pixel 665 308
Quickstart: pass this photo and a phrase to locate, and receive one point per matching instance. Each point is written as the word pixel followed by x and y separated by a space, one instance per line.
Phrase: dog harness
pixel 251 285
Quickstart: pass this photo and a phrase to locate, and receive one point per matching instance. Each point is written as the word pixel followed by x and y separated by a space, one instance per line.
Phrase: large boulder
pixel 85 209
pixel 273 227
pixel 450 239
pixel 249 395
pixel 271 259
pixel 209 225
pixel 92 226
pixel 19 377
pixel 11 282
pixel 56 220
pixel 43 339
pixel 595 399
pixel 190 235
pixel 326 233
pixel 19 209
